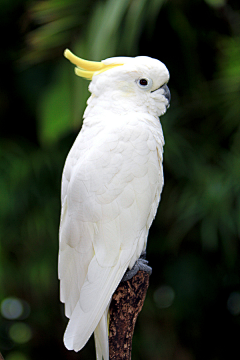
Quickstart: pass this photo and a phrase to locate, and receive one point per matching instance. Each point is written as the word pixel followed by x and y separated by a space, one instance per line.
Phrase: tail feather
pixel 101 337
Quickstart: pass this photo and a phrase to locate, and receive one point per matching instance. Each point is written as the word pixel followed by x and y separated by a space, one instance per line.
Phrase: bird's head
pixel 130 84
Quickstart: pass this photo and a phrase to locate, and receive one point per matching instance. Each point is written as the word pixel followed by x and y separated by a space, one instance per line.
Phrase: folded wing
pixel 109 199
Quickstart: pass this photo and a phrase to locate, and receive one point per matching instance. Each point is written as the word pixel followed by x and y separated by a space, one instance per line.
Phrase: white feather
pixel 101 337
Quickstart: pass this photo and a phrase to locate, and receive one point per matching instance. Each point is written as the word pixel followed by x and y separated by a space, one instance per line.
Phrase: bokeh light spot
pixel 233 303
pixel 11 308
pixel 164 296
pixel 20 333
pixel 16 355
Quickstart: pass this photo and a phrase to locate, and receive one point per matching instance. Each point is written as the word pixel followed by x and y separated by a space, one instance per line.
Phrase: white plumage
pixel 111 186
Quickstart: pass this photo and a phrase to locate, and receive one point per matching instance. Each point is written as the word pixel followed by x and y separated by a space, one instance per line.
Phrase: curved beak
pixel 166 93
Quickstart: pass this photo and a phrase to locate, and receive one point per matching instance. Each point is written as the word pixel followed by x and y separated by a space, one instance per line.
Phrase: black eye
pixel 143 82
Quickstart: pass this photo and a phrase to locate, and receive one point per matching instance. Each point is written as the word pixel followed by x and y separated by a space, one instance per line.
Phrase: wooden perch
pixel 126 304
pixel 1 357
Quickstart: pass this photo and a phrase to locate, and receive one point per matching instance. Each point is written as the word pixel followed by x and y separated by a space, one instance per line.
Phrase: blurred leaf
pixel 56 110
pixel 55 23
pixel 217 3
pixel 55 107
pixel 53 34
pixel 138 14
pixel 48 11
pixel 228 81
pixel 102 32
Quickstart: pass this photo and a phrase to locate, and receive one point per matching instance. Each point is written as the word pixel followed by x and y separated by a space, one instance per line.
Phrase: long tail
pixel 101 337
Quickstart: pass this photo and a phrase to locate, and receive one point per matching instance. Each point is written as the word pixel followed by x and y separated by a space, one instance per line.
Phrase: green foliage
pixel 192 307
pixel 55 22
pixel 58 113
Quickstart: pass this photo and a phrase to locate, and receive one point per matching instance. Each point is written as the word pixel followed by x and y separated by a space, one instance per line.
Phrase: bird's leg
pixel 140 264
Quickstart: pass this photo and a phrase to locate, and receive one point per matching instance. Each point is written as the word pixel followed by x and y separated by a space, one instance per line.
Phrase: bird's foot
pixel 140 264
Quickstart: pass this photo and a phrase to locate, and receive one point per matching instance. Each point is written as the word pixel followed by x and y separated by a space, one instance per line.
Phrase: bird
pixel 111 187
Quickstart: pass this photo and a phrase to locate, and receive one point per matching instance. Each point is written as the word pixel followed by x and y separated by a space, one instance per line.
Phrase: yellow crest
pixel 85 68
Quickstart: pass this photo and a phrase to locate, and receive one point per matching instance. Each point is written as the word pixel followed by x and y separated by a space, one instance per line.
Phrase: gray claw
pixel 140 264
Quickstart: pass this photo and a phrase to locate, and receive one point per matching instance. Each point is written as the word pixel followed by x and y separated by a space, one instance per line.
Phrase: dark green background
pixel 192 309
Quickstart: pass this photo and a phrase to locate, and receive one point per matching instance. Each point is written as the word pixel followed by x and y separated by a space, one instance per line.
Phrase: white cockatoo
pixel 111 186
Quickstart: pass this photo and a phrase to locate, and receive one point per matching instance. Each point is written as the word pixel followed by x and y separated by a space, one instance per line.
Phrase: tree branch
pixel 126 304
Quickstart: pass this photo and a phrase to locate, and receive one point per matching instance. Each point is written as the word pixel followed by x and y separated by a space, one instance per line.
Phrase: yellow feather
pixel 85 68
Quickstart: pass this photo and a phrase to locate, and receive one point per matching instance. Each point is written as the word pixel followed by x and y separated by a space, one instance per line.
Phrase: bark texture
pixel 127 302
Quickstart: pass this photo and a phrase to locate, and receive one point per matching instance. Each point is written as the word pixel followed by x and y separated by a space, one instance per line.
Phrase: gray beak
pixel 166 93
